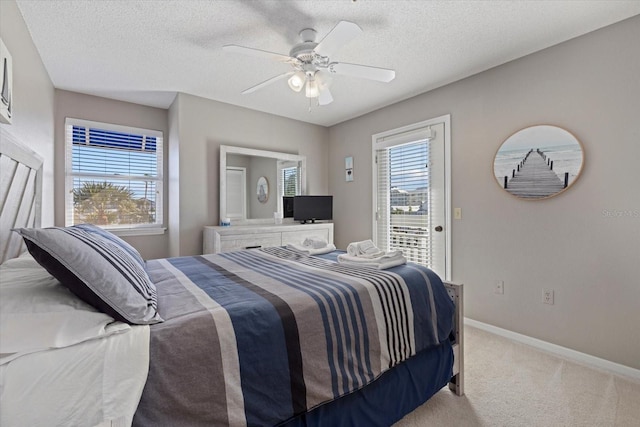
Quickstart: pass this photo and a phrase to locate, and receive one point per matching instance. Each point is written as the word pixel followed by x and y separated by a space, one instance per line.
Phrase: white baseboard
pixel 586 359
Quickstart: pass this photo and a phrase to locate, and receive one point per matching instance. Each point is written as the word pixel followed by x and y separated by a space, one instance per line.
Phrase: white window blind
pixel 289 180
pixel 113 175
pixel 289 176
pixel 403 200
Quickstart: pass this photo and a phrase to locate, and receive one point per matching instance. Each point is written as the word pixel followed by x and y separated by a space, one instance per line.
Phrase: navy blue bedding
pixel 385 401
pixel 260 337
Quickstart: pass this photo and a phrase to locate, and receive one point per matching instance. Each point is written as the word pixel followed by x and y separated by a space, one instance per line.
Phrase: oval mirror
pixel 263 189
pixel 538 162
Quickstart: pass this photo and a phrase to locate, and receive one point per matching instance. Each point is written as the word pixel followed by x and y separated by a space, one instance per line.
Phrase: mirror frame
pixel 228 149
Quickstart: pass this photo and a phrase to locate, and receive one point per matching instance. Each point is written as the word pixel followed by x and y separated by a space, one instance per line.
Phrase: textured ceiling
pixel 146 51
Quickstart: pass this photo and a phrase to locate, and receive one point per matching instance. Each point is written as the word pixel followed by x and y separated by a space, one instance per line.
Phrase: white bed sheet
pixel 64 363
pixel 38 313
pixel 81 385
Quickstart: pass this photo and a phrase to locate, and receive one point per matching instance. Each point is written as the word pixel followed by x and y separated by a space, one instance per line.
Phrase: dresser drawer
pixel 298 237
pixel 224 239
pixel 235 242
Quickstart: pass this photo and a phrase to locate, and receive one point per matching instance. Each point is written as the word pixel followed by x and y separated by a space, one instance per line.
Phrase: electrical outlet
pixel 499 289
pixel 547 296
pixel 457 213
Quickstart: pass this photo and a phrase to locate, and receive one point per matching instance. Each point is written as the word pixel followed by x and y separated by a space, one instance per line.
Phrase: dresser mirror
pixel 243 170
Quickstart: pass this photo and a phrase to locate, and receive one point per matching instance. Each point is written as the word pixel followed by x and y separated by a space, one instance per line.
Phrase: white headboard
pixel 20 192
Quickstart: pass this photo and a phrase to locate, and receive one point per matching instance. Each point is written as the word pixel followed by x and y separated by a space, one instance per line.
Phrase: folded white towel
pixel 365 248
pixel 311 251
pixel 382 263
pixel 361 259
pixel 380 256
pixel 314 243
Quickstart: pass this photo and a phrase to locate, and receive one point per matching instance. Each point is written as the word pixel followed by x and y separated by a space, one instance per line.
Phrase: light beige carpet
pixel 511 384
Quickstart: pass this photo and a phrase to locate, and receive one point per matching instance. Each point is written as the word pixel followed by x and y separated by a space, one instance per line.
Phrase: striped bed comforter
pixel 256 337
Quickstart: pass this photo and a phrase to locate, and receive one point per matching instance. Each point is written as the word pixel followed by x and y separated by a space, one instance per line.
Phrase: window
pixel 404 198
pixel 113 176
pixel 289 177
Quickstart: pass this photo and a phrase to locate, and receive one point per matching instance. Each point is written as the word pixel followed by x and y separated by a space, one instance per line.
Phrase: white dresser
pixel 223 239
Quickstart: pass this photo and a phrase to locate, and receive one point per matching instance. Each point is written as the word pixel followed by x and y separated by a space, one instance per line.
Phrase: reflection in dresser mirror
pixel 241 169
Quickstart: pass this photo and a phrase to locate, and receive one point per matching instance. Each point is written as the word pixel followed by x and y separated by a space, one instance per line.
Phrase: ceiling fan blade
pixel 324 97
pixel 267 82
pixel 260 53
pixel 323 78
pixel 341 34
pixel 363 71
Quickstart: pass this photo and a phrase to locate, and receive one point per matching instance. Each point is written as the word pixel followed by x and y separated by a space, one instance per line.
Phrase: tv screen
pixel 312 208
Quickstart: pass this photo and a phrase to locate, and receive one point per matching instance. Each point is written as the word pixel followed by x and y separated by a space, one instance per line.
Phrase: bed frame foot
pixel 456 385
pixel 456 293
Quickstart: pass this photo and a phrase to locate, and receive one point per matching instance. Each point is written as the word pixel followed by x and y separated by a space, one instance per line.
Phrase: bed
pixel 254 337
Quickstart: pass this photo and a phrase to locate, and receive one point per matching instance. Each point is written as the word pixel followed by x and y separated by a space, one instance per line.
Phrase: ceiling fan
pixel 311 63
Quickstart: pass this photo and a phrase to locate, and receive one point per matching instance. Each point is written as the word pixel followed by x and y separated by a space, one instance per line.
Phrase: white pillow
pixel 24 260
pixel 38 313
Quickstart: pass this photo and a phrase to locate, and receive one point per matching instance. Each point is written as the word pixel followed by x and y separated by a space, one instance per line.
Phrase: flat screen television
pixel 312 208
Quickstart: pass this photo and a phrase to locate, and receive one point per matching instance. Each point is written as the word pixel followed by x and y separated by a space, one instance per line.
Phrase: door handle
pixel 438 228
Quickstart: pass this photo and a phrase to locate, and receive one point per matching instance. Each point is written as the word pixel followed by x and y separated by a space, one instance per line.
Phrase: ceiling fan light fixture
pixel 296 81
pixel 312 90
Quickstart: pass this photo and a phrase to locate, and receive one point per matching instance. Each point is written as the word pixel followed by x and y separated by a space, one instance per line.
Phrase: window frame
pixel 122 230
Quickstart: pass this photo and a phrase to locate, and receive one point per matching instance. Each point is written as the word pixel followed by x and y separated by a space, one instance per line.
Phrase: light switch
pixel 457 213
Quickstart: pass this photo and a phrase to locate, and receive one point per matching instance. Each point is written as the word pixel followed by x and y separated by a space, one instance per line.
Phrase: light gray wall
pixel 204 125
pixel 87 107
pixel 33 99
pixel 589 86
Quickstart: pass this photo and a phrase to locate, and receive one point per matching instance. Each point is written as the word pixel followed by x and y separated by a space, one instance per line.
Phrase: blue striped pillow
pixel 114 239
pixel 97 270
